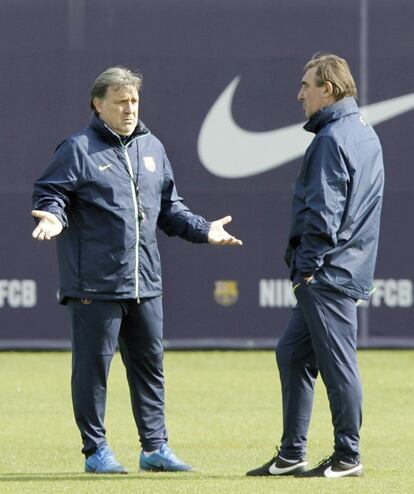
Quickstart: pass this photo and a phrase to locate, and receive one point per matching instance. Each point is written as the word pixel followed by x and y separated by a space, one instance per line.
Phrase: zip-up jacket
pixel 110 197
pixel 337 202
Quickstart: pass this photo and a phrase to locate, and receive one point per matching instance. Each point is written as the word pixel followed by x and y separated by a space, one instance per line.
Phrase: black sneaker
pixel 334 468
pixel 279 466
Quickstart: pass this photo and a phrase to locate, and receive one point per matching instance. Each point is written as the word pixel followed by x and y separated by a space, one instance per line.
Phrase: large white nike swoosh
pixel 331 474
pixel 228 151
pixel 274 470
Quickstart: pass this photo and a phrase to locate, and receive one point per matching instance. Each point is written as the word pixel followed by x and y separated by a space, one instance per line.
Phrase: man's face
pixel 314 98
pixel 119 109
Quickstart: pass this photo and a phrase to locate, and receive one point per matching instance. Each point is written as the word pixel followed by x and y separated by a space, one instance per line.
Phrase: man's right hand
pixel 49 225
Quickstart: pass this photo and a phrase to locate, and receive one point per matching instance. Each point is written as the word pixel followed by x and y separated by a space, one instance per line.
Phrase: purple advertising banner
pixel 220 84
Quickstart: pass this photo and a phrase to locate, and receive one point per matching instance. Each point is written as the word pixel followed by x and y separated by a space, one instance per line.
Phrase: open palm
pixel 49 225
pixel 219 236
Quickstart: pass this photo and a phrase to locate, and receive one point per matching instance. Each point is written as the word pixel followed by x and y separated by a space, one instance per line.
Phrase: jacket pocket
pixel 104 270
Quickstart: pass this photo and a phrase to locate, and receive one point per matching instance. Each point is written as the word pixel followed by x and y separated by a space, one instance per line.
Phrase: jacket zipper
pixel 135 200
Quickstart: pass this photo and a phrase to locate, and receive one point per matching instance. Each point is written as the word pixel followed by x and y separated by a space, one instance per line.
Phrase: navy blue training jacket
pixel 97 187
pixel 337 202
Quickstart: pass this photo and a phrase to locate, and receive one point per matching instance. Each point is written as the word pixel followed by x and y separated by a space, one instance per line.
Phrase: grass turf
pixel 223 416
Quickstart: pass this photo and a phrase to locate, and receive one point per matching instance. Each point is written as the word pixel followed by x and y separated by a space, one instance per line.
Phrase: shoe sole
pixel 331 474
pixel 297 469
pixel 162 469
pixel 91 470
pixel 152 468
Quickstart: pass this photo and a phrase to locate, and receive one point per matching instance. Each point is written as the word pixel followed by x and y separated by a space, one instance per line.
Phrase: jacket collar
pixel 99 126
pixel 339 109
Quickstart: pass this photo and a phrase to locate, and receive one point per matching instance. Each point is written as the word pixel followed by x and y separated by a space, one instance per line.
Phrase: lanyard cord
pixel 141 214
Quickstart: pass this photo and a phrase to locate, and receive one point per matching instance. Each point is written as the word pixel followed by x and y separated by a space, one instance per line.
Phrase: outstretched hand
pixel 218 235
pixel 49 225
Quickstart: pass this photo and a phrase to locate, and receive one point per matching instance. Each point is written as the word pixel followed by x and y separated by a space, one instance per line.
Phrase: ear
pixel 329 90
pixel 97 103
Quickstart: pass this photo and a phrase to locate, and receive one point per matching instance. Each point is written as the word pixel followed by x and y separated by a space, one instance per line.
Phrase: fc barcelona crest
pixel 226 292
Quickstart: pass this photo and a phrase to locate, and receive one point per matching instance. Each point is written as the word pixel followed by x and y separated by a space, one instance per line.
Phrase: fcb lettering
pixel 18 293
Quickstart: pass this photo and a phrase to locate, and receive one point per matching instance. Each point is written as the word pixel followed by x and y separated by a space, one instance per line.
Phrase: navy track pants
pixel 97 327
pixel 321 336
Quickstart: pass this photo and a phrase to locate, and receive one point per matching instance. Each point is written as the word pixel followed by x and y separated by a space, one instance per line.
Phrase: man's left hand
pixel 218 235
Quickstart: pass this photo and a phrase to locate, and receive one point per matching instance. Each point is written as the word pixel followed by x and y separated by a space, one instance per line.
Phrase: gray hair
pixel 115 77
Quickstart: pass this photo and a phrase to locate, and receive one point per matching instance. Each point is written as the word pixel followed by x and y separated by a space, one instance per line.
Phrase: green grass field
pixel 223 416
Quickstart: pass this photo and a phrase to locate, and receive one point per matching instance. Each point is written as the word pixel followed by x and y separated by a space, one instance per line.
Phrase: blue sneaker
pixel 163 460
pixel 103 461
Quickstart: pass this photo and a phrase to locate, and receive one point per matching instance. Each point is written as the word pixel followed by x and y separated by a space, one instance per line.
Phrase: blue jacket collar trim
pixel 339 109
pixel 106 133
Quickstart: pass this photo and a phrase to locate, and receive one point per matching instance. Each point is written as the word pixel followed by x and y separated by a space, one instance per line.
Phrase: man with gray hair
pixel 331 254
pixel 104 193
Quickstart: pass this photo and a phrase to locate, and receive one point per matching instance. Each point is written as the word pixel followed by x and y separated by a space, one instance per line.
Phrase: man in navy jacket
pixel 104 193
pixel 331 255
